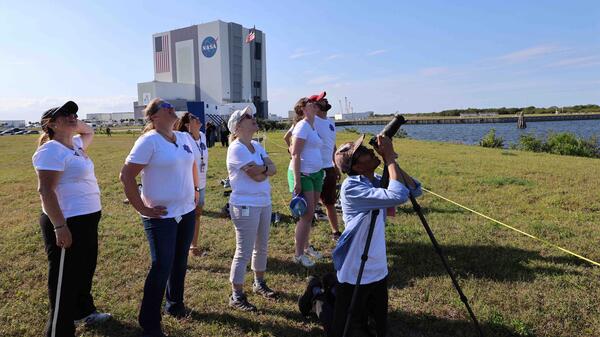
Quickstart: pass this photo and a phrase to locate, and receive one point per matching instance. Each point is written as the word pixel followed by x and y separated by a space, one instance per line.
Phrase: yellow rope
pixel 513 228
pixel 510 227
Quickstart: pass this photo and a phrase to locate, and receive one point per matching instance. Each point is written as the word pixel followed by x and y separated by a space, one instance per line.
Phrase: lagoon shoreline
pixel 473 120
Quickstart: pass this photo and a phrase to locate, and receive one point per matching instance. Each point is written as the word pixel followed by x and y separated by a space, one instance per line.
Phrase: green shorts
pixel 310 183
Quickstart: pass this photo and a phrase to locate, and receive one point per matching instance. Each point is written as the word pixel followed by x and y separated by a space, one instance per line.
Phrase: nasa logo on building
pixel 209 46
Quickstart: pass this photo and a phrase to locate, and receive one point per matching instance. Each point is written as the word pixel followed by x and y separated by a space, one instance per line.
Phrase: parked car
pixel 32 132
pixel 10 131
pixel 22 132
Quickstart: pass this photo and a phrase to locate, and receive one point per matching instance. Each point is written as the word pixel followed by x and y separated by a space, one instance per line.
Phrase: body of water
pixel 472 133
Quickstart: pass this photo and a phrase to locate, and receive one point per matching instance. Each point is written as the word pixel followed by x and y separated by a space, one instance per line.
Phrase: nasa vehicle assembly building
pixel 208 69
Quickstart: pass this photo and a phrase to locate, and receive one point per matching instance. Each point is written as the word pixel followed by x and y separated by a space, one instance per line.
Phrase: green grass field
pixel 516 286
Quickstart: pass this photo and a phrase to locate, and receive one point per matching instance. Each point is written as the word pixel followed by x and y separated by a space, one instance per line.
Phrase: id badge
pixel 202 165
pixel 245 211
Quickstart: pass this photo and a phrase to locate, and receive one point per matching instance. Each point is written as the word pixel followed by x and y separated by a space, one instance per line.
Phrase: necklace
pixel 172 140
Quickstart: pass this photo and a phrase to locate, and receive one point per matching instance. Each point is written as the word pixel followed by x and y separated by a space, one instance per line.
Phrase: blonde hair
pixel 298 110
pixel 47 132
pixel 150 110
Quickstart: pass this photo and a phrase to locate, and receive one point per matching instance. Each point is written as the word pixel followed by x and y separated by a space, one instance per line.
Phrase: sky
pixel 384 56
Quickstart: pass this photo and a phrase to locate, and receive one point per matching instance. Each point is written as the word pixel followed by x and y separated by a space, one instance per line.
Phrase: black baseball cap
pixel 68 108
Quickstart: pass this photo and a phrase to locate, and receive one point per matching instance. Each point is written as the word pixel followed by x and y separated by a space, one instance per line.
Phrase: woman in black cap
pixel 69 222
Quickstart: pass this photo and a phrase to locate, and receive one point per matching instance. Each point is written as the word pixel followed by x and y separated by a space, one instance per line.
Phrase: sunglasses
pixel 165 105
pixel 65 114
pixel 246 116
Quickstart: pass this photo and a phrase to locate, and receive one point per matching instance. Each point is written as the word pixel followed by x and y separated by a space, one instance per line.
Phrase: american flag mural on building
pixel 162 61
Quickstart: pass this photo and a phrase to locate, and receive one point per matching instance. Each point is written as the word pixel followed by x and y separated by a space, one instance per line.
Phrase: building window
pixel 158 44
pixel 257 84
pixel 257 50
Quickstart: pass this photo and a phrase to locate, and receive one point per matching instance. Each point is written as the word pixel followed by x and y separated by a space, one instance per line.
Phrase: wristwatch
pixel 196 188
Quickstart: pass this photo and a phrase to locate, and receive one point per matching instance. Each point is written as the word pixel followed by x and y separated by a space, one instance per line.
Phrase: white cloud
pixel 333 57
pixel 577 62
pixel 376 52
pixel 298 53
pixel 530 53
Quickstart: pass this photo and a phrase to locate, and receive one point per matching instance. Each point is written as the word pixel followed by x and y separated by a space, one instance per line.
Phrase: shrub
pixel 266 125
pixel 563 143
pixel 566 143
pixel 490 140
pixel 528 142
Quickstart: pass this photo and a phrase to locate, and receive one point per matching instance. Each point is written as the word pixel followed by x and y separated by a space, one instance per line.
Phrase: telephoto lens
pixel 390 129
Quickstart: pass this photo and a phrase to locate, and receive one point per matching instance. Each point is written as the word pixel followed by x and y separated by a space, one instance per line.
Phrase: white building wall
pixel 184 54
pixel 211 72
pixel 12 123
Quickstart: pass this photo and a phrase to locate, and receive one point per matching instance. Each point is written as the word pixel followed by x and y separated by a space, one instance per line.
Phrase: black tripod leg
pixel 363 261
pixel 437 248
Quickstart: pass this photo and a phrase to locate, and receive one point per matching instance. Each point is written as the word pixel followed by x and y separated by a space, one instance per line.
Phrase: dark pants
pixel 169 245
pixel 371 302
pixel 76 300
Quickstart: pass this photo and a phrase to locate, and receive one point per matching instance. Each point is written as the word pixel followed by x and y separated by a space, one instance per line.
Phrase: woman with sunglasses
pixel 167 202
pixel 191 124
pixel 249 168
pixel 71 212
pixel 305 175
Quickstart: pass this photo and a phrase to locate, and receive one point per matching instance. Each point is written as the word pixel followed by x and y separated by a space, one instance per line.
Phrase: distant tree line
pixel 587 108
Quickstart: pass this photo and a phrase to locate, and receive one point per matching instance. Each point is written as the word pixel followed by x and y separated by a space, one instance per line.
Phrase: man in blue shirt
pixel 360 195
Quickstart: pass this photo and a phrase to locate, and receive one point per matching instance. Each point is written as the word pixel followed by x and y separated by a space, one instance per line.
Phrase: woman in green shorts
pixel 305 175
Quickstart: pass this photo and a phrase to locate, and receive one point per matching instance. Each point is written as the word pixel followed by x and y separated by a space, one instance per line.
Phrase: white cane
pixel 58 288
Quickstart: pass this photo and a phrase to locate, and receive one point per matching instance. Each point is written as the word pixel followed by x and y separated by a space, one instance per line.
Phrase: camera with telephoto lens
pixel 389 130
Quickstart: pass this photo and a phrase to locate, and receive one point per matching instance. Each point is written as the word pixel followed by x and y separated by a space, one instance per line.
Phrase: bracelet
pixel 59 227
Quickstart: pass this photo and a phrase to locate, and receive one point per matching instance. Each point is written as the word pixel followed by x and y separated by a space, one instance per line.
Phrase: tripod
pixel 364 257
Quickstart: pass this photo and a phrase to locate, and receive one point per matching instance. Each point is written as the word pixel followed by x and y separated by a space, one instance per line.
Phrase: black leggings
pixel 76 300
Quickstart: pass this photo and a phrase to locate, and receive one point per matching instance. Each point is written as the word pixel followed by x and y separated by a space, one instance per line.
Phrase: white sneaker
pixel 304 260
pixel 312 252
pixel 94 318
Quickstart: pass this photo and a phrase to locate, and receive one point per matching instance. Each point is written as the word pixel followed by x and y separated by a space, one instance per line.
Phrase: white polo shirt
pixel 77 189
pixel 167 178
pixel 326 130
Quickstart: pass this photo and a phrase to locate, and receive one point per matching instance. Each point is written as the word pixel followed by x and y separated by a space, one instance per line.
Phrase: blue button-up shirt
pixel 359 196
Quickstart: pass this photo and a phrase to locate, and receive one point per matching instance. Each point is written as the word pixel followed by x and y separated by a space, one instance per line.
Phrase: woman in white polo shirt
pixel 191 124
pixel 249 168
pixel 305 175
pixel 167 203
pixel 71 213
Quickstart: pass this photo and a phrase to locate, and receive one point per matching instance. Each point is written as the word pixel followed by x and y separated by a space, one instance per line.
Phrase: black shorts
pixel 328 194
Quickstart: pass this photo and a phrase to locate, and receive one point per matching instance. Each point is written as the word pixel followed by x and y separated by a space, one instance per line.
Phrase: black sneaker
pixel 305 300
pixel 264 290
pixel 336 236
pixel 241 303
